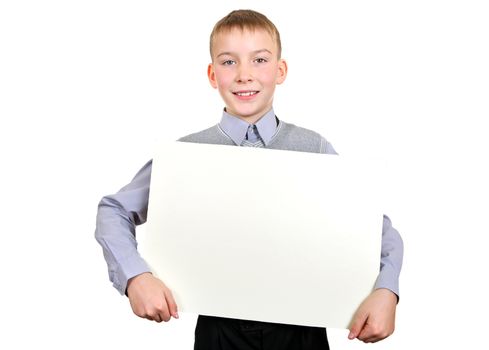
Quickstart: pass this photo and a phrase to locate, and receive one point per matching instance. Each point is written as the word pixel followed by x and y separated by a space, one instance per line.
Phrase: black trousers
pixel 217 333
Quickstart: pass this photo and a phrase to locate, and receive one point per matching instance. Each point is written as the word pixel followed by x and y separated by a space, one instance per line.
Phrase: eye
pixel 228 62
pixel 260 60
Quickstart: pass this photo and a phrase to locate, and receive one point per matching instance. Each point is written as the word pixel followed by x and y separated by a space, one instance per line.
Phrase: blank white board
pixel 261 234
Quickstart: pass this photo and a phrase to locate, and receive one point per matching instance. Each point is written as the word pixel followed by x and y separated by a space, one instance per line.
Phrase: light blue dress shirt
pixel 119 214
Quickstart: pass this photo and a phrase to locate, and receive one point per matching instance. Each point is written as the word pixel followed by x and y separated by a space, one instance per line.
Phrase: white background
pixel 87 87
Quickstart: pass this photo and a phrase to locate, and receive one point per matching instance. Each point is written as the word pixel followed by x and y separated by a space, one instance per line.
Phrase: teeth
pixel 249 93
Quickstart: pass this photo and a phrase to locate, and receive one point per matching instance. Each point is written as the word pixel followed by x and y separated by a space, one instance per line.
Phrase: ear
pixel 211 74
pixel 281 71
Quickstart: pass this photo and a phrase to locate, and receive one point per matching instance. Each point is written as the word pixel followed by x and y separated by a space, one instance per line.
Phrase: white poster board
pixel 260 234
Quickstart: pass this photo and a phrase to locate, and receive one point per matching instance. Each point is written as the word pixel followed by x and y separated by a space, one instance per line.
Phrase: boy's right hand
pixel 150 298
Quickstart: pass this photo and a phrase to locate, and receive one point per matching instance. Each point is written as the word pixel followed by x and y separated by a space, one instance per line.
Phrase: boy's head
pixel 246 63
pixel 246 20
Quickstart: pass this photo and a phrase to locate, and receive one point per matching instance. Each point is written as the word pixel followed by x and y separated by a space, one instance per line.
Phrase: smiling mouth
pixel 245 93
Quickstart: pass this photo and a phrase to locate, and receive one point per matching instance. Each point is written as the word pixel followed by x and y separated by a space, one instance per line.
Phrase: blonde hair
pixel 246 20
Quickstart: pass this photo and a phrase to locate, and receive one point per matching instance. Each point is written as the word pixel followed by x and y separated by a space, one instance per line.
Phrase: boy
pixel 246 66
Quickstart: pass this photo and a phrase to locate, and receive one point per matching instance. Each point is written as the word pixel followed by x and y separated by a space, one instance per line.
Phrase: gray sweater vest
pixel 287 137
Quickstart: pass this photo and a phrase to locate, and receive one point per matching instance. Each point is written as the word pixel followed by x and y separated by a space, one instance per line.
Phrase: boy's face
pixel 245 69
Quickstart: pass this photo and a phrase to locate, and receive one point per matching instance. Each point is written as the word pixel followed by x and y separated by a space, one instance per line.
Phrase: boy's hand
pixel 375 318
pixel 150 298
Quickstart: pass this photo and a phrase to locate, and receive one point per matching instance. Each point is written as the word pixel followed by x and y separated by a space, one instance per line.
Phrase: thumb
pixel 357 325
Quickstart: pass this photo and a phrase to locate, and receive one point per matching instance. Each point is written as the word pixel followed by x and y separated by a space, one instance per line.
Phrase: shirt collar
pixel 236 128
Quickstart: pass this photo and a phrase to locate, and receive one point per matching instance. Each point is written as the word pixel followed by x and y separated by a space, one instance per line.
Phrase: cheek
pixel 269 76
pixel 223 78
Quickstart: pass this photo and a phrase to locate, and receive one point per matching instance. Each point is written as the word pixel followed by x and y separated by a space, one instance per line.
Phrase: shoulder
pixel 298 131
pixel 213 135
pixel 302 139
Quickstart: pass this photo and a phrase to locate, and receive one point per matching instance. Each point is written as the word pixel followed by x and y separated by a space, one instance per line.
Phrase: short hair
pixel 246 20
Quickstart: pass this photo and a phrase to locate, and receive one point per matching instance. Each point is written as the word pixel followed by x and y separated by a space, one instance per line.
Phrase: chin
pixel 249 115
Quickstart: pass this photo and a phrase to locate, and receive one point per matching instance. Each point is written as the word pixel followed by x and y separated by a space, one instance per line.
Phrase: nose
pixel 245 73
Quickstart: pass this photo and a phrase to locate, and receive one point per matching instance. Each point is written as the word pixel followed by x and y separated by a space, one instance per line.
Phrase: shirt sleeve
pixel 392 250
pixel 390 258
pixel 117 217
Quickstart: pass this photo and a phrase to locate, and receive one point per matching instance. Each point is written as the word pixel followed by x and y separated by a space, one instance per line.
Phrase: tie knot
pixel 252 133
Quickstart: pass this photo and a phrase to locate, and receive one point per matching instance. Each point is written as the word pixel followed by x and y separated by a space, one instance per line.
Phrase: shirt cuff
pixel 388 279
pixel 128 268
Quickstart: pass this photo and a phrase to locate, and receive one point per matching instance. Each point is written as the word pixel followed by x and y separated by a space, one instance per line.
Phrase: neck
pixel 249 119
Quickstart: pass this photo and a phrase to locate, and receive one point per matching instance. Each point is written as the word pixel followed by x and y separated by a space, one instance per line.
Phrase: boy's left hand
pixel 375 318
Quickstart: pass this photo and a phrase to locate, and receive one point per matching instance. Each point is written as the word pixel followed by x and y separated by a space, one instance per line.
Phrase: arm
pixel 375 318
pixel 117 217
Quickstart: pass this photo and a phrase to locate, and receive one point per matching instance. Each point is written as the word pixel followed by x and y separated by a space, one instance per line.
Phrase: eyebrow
pixel 253 52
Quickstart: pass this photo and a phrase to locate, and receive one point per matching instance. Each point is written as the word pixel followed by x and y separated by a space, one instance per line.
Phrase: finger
pixel 357 325
pixel 172 305
pixel 159 311
pixel 366 335
pixel 369 339
pixel 366 331
pixel 372 334
pixel 164 314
